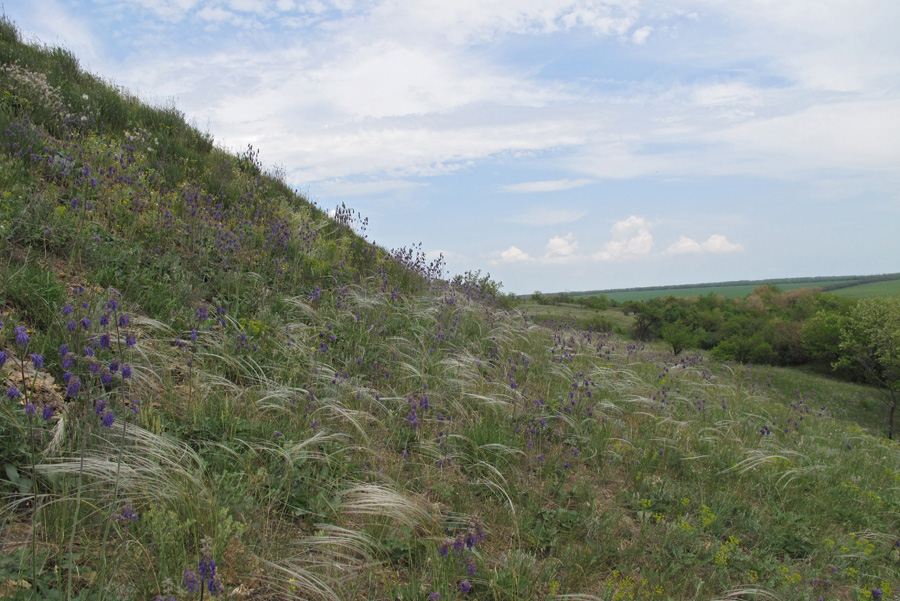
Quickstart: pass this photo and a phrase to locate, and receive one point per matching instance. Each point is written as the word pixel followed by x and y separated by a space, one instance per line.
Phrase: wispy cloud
pixel 339 188
pixel 547 216
pixel 554 185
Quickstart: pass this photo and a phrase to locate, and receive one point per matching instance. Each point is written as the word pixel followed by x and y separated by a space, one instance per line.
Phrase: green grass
pixel 575 315
pixel 327 422
pixel 888 288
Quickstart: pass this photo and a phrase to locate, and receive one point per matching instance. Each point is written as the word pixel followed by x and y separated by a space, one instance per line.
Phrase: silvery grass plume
pixel 320 566
pixel 153 468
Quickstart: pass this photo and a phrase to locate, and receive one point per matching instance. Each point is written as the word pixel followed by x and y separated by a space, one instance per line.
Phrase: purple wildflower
pixel 471 566
pixel 207 568
pixel 126 371
pixel 108 419
pixel 190 582
pixel 29 408
pixel 48 413
pixel 3 358
pixel 13 392
pixel 74 385
pixel 464 587
pixel 21 336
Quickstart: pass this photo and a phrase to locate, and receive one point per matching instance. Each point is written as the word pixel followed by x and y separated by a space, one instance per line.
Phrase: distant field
pixel 889 288
pixel 740 290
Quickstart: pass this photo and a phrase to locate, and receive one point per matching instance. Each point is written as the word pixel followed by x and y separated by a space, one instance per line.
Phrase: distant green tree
pixel 598 303
pixel 821 334
pixel 678 335
pixel 646 319
pixel 870 343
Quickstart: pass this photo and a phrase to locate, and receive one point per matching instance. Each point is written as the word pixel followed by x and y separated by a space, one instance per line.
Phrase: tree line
pixel 857 340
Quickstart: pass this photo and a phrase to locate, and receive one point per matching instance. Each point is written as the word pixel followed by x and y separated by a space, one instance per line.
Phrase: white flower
pixel 84 96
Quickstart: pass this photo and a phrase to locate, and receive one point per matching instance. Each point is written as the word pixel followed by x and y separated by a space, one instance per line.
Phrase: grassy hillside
pixel 214 387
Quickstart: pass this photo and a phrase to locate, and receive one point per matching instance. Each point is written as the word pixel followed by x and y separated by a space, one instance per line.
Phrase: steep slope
pixel 212 385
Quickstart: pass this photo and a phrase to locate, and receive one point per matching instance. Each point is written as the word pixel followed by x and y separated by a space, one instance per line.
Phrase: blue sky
pixel 557 144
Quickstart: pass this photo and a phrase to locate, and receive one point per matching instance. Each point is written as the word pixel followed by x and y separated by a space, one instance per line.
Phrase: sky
pixel 559 145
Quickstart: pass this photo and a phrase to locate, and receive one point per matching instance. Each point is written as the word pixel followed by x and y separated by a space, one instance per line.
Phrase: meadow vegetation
pixel 215 388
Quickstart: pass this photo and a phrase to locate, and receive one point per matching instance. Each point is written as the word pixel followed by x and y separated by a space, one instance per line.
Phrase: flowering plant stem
pixel 112 511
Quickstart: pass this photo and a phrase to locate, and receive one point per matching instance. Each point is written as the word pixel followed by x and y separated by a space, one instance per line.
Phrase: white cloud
pixel 852 135
pixel 640 35
pixel 684 246
pixel 513 254
pixel 561 249
pixel 547 216
pixel 555 185
pixel 717 244
pixel 407 150
pixel 479 21
pixel 631 239
pixel 839 45
pixel 56 24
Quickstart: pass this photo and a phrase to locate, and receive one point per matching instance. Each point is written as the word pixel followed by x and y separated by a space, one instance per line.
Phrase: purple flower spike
pixel 29 408
pixel 190 582
pixel 21 336
pixel 13 392
pixel 73 387
pixel 464 587
pixel 37 360
pixel 48 413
